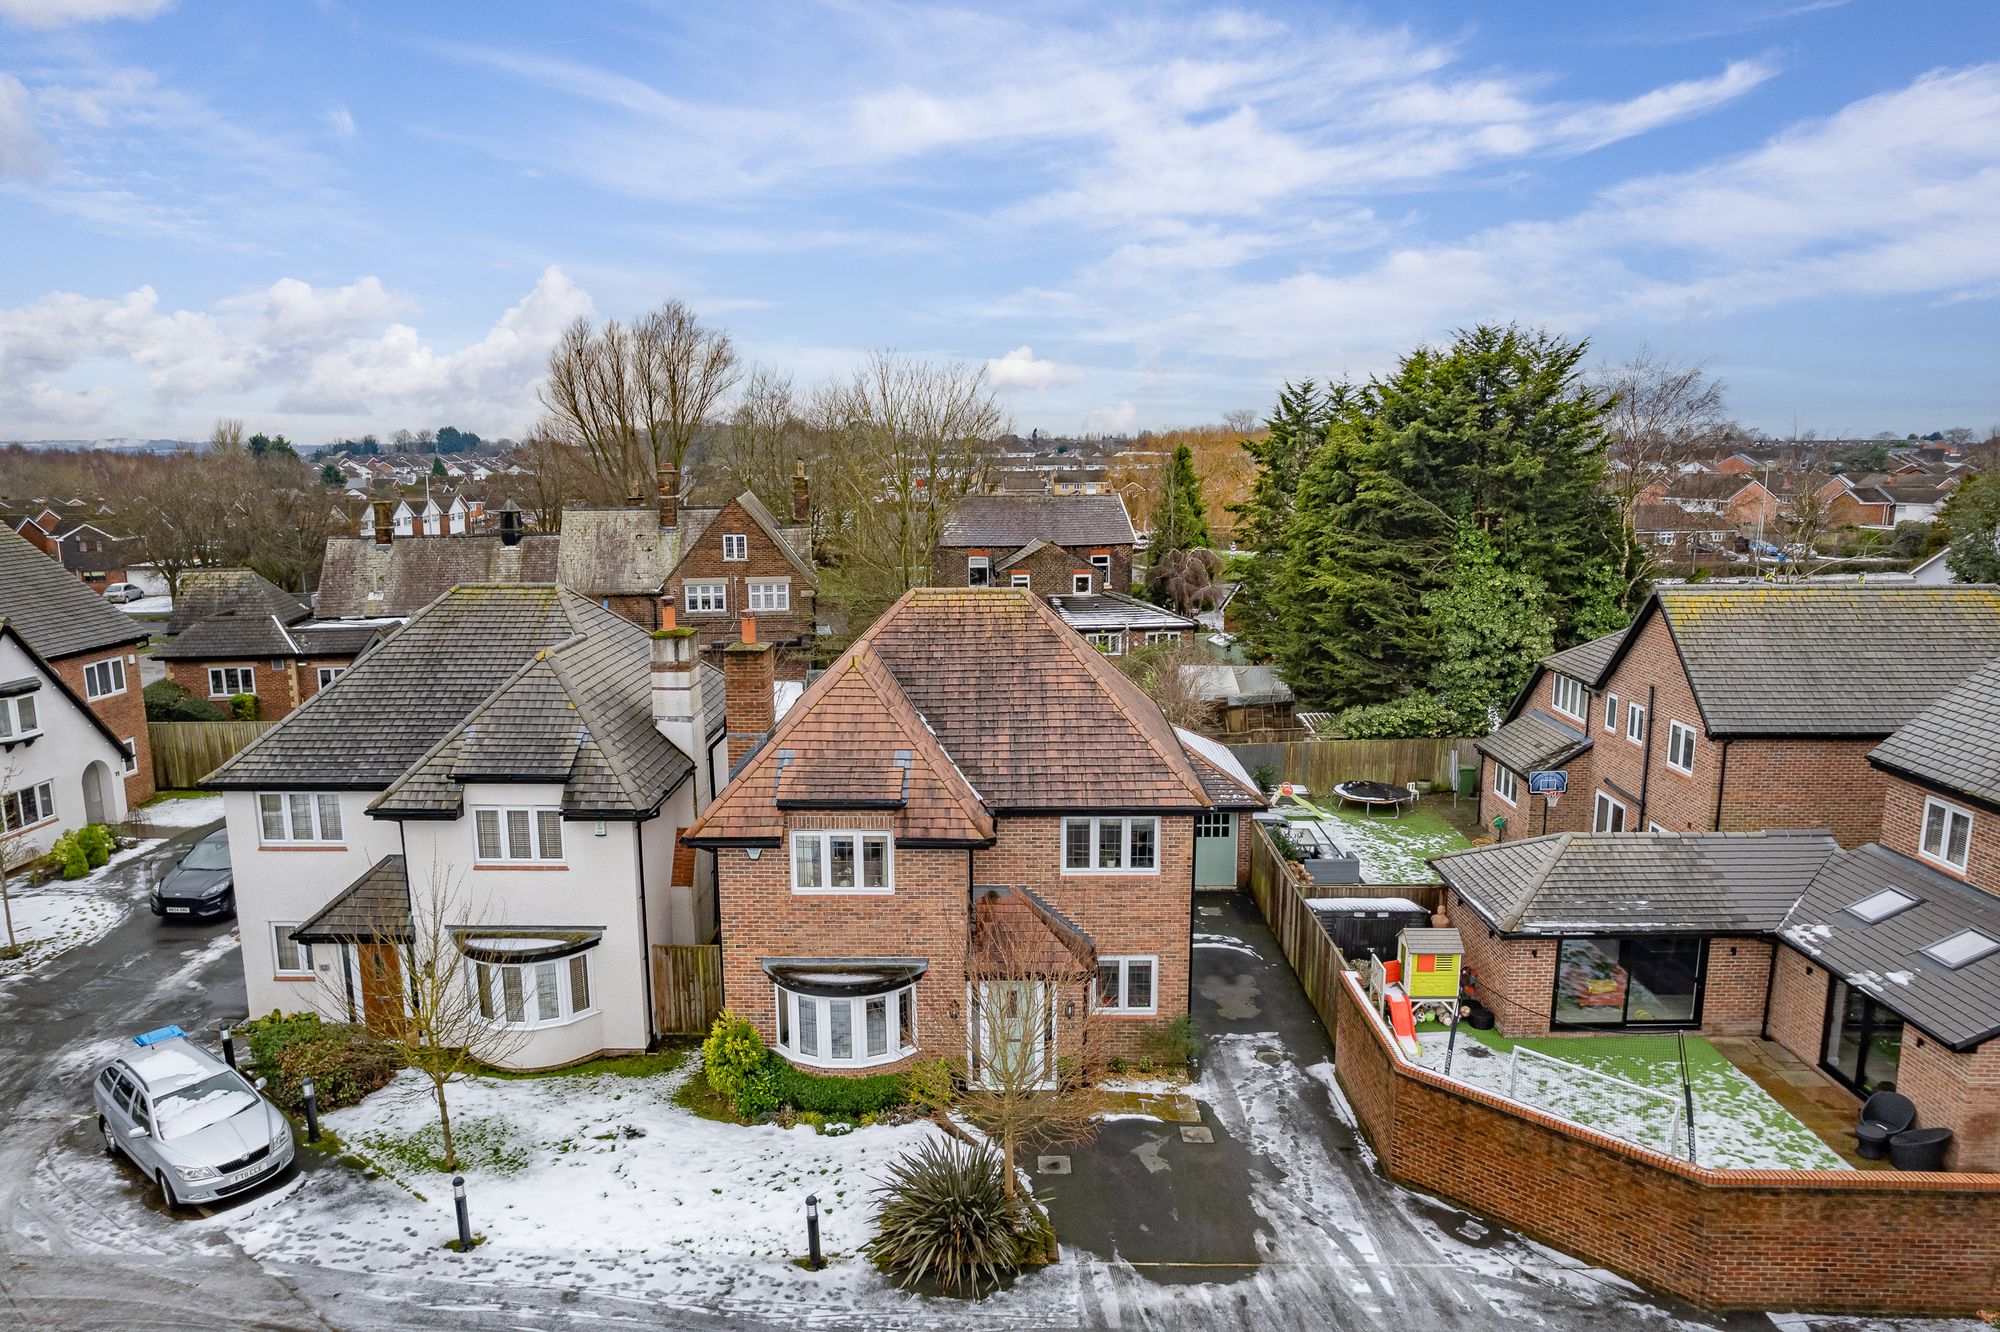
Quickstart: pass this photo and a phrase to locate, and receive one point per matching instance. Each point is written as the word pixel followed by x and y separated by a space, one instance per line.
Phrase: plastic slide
pixel 1401 1021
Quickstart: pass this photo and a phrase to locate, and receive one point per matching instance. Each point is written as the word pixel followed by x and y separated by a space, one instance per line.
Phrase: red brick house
pixel 1741 498
pixel 92 646
pixel 912 799
pixel 236 632
pixel 1734 708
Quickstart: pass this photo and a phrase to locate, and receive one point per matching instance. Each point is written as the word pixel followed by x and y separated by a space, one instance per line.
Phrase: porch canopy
pixel 1016 932
pixel 375 908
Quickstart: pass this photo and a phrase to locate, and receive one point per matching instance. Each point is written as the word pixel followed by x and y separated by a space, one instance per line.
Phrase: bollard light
pixel 229 1047
pixel 464 1214
pixel 813 1259
pixel 312 1110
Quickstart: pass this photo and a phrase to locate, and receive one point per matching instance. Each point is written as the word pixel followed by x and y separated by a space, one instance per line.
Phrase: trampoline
pixel 1371 795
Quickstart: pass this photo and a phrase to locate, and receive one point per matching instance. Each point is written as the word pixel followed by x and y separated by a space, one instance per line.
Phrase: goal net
pixel 1646 1116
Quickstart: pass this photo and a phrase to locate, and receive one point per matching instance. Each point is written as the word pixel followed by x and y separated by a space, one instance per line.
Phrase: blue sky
pixel 341 217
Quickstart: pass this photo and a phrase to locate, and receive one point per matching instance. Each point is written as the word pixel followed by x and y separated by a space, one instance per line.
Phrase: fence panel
pixel 186 752
pixel 1322 764
pixel 687 988
pixel 1275 887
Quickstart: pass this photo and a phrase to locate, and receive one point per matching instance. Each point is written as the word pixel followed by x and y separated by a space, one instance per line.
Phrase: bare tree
pixel 559 474
pixel 767 437
pixel 14 853
pixel 1659 413
pixel 438 1011
pixel 633 397
pixel 1036 1035
pixel 1805 522
pixel 1163 671
pixel 227 434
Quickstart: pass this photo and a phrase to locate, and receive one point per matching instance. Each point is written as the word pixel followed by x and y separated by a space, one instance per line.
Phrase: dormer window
pixel 735 546
pixel 1568 696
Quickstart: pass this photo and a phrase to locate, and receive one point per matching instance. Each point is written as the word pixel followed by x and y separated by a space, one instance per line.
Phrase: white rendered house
pixel 60 766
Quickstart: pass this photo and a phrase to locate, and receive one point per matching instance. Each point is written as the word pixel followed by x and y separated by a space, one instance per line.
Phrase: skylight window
pixel 1963 949
pixel 1880 906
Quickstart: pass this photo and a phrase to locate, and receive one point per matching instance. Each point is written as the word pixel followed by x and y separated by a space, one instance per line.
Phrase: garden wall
pixel 1872 1242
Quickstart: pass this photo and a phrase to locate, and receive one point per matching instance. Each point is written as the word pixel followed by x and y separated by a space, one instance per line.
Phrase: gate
pixel 687 988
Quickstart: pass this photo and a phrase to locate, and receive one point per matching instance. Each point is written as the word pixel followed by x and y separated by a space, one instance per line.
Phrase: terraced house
pixel 971 767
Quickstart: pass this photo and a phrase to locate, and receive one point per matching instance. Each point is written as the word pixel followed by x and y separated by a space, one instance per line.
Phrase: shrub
pixel 1173 1043
pixel 732 1052
pixel 758 1094
pixel 930 1086
pixel 70 857
pixel 1266 777
pixel 97 843
pixel 243 707
pixel 167 701
pixel 1287 848
pixel 945 1218
pixel 345 1062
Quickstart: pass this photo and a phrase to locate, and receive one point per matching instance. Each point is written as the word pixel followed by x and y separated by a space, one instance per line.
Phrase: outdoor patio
pixel 1392 848
pixel 1808 1095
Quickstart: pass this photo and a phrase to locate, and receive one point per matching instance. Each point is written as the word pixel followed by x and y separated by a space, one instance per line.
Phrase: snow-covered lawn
pixel 178 812
pixel 54 917
pixel 1737 1123
pixel 591 1178
pixel 1393 849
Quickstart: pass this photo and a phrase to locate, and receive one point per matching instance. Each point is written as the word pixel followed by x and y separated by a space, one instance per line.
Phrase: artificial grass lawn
pixel 1393 850
pixel 1737 1124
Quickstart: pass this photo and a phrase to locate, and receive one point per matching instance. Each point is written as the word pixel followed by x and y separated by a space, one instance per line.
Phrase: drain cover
pixel 1197 1133
pixel 1052 1165
pixel 1272 1057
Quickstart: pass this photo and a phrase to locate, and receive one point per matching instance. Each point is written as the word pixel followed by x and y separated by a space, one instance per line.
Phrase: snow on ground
pixel 159 605
pixel 178 812
pixel 54 917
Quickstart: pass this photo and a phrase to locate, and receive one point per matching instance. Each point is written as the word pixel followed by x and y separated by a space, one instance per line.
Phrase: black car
pixel 201 885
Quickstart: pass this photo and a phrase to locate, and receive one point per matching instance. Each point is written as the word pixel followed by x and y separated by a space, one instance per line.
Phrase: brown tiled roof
pixel 1710 485
pixel 1016 933
pixel 202 594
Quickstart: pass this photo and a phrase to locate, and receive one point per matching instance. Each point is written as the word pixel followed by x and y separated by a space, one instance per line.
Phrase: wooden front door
pixel 381 984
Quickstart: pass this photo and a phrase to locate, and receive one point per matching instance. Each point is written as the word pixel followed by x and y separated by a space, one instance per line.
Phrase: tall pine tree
pixel 1295 432
pixel 1181 522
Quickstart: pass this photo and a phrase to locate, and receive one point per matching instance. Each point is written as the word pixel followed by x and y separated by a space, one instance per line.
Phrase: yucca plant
pixel 945 1219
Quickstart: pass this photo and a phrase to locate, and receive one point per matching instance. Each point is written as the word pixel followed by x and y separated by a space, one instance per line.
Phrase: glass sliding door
pixel 1864 1041
pixel 1612 981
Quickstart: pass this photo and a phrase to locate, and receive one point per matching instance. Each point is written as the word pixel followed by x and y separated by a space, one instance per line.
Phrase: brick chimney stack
pixel 385 522
pixel 677 697
pixel 748 671
pixel 670 497
pixel 801 494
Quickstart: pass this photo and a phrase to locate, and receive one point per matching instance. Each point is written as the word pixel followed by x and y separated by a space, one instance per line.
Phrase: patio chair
pixel 1884 1115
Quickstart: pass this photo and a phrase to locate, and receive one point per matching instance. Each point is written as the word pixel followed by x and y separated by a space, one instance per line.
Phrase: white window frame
pixel 1162 636
pixel 328 674
pixel 822 841
pixel 1612 714
pixel 1635 723
pixel 1124 1007
pixel 1942 856
pixel 1111 642
pixel 538 820
pixel 1676 730
pixel 1568 689
pixel 1124 867
pixel 288 811
pixel 1506 783
pixel 279 943
pixel 1079 584
pixel 1102 563
pixel 14 811
pixel 705 598
pixel 899 1029
pixel 246 675
pixel 769 595
pixel 978 571
pixel 1021 580
pixel 735 547
pixel 1597 814
pixel 11 725
pixel 488 981
pixel 130 744
pixel 98 674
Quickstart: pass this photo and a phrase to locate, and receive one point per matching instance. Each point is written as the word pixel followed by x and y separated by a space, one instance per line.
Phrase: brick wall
pixel 124 713
pixel 703 562
pixel 1805 784
pixel 1798 1006
pixel 1870 1242
pixel 1903 825
pixel 1739 976
pixel 1960 1092
pixel 1529 816
pixel 1048 570
pixel 643 611
pixel 278 692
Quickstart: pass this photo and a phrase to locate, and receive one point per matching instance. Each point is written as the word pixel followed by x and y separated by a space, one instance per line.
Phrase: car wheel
pixel 110 1138
pixel 167 1193
pixel 229 903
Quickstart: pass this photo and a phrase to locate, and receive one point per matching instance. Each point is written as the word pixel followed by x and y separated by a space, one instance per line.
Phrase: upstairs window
pixel 1611 713
pixel 842 862
pixel 519 834
pixel 1568 696
pixel 328 674
pixel 104 678
pixel 298 816
pixel 771 595
pixel 978 571
pixel 1680 747
pixel 1111 846
pixel 1947 836
pixel 735 546
pixel 19 717
pixel 1079 583
pixel 1101 562
pixel 706 598
pixel 226 680
pixel 1021 580
pixel 1635 722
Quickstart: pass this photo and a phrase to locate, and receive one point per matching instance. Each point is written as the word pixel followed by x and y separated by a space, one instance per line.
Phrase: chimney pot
pixel 749 628
pixel 801 493
pixel 666 612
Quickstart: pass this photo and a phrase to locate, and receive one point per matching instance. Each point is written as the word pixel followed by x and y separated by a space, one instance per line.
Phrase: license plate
pixel 177 911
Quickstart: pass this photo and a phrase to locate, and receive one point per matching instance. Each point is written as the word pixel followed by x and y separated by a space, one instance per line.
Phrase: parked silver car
pixel 189 1120
pixel 124 592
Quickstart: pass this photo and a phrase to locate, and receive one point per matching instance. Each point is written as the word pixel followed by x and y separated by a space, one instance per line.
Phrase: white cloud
pixel 1020 370
pixel 309 360
pixel 340 120
pixel 1117 418
pixel 22 152
pixel 61 13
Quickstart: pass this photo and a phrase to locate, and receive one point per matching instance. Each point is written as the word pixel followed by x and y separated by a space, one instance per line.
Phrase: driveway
pixel 1284 1221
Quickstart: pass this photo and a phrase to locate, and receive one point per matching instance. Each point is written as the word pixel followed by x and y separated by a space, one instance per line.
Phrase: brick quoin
pixel 124 713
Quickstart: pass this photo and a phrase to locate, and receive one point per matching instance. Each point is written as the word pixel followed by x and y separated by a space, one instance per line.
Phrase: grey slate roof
pixel 376 905
pixel 1821 659
pixel 1638 883
pixel 202 594
pixel 1958 1007
pixel 1955 743
pixel 51 608
pixel 247 635
pixel 616 552
pixel 1587 661
pixel 360 579
pixel 1114 610
pixel 1535 739
pixel 1013 520
pixel 387 710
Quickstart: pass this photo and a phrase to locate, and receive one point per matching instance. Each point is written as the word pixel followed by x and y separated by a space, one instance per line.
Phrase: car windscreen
pixel 207 856
pixel 195 1107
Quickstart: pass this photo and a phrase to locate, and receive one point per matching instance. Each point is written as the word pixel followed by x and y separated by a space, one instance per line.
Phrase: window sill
pixel 1111 873
pixel 1125 1012
pixel 533 866
pixel 845 892
pixel 301 846
pixel 1680 772
pixel 304 977
pixel 1943 866
pixel 840 1065
pixel 27 828
pixel 569 1021
pixel 1508 801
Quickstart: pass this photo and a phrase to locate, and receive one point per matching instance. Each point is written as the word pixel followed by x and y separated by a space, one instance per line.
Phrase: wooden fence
pixel 1322 764
pixel 186 752
pixel 687 988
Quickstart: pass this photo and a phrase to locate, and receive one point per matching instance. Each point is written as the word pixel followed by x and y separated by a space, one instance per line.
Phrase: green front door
pixel 1215 850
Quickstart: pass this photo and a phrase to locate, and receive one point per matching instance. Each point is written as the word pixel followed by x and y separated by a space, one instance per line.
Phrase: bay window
pixel 846 1030
pixel 518 834
pixel 298 816
pixel 842 862
pixel 1111 846
pixel 542 993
